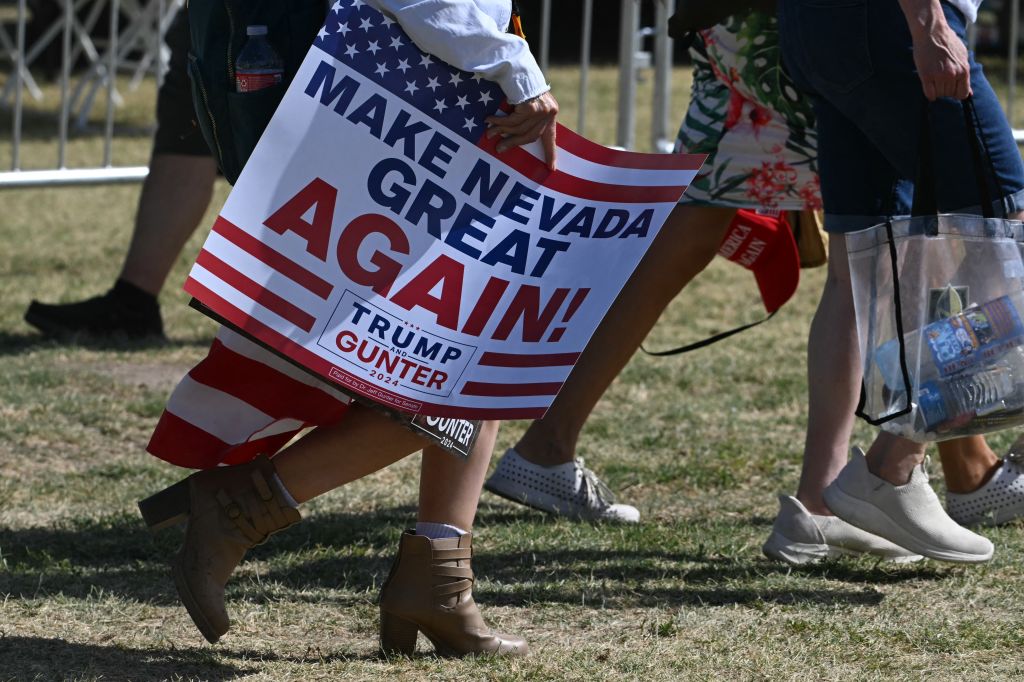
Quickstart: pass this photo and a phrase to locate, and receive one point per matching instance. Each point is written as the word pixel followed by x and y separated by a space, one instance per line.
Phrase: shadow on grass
pixel 348 555
pixel 15 344
pixel 37 658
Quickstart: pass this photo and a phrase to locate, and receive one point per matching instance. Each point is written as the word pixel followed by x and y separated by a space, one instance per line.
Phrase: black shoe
pixel 125 311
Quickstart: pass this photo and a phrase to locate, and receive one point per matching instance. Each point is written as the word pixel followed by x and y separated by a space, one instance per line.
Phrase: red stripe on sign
pixel 572 142
pixel 268 299
pixel 529 359
pixel 570 185
pixel 274 259
pixel 510 390
pixel 265 388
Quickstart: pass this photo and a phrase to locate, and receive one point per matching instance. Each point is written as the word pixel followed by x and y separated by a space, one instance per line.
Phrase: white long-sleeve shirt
pixel 470 35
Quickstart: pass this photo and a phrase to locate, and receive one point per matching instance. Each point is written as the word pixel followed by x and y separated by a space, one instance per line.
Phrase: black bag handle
pixel 904 370
pixel 973 125
pixel 925 203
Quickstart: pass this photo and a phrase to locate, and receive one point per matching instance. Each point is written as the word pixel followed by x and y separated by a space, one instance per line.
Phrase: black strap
pixel 897 304
pixel 973 135
pixel 925 202
pixel 925 184
pixel 715 338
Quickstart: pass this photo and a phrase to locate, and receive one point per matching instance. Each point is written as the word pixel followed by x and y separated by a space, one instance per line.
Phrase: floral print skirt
pixel 748 117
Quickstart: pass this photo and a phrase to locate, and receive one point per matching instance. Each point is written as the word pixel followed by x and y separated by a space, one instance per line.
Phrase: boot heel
pixel 166 508
pixel 397 635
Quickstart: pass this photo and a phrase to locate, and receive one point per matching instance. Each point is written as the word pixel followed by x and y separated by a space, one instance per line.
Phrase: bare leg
pixel 893 458
pixel 450 486
pixel 363 442
pixel 683 248
pixel 833 374
pixel 174 198
pixel 968 463
pixel 366 441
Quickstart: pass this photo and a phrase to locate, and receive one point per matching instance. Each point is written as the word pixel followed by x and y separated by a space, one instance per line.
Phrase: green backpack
pixel 231 121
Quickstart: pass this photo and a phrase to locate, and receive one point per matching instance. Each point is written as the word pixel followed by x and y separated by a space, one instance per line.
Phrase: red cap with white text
pixel 764 244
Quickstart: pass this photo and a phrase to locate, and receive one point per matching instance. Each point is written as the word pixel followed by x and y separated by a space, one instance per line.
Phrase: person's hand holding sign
pixel 528 121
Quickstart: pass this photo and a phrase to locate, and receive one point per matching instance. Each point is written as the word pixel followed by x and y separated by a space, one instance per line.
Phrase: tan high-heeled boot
pixel 228 510
pixel 430 590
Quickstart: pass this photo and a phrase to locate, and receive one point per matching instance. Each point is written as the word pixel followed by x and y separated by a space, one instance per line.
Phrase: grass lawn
pixel 701 444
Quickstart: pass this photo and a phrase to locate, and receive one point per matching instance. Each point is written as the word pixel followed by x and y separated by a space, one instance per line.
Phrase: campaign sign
pixel 378 239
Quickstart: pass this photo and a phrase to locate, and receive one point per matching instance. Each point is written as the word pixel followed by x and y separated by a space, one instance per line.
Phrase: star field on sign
pixel 377 48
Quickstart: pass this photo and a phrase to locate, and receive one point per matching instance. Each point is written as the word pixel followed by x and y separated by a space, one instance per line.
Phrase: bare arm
pixel 939 54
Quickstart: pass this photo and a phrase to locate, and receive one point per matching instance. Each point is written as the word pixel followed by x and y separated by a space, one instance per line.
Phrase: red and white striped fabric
pixel 239 402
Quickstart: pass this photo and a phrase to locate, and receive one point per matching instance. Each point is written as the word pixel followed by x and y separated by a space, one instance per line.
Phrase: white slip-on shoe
pixel 799 537
pixel 570 489
pixel 909 515
pixel 1001 499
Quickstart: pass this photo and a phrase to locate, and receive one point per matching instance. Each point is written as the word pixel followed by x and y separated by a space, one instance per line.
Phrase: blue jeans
pixel 854 58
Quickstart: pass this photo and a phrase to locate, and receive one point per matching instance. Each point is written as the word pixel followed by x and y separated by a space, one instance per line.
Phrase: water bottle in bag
pixel 970 368
pixel 258 65
pixel 988 394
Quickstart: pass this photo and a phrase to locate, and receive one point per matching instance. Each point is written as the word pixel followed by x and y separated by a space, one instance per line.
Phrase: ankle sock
pixel 131 295
pixel 438 531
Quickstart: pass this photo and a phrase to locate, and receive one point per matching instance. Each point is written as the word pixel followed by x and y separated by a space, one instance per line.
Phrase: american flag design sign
pixel 378 240
pixel 376 47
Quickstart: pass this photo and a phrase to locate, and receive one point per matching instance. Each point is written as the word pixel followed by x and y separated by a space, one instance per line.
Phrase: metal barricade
pixel 630 36
pixel 79 89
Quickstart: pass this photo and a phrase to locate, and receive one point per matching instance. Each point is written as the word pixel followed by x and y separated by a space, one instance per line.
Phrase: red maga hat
pixel 764 244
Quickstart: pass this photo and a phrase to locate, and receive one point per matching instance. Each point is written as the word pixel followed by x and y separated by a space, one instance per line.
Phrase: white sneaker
pixel 799 537
pixel 909 515
pixel 567 489
pixel 1001 499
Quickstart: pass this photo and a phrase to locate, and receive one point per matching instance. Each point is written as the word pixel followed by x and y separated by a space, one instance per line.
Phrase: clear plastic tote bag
pixel 939 301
